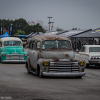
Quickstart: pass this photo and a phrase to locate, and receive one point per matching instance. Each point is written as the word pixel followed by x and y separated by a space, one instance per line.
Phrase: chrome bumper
pixel 94 62
pixel 63 74
pixel 13 61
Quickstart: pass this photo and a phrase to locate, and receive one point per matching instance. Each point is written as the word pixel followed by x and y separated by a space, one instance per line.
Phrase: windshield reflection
pixel 56 44
pixel 94 49
pixel 12 43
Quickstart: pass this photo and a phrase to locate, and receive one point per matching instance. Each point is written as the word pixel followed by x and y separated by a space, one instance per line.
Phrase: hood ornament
pixel 15 51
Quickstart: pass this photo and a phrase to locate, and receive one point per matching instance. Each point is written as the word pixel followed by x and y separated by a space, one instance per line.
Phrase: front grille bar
pixel 63 66
pixel 14 57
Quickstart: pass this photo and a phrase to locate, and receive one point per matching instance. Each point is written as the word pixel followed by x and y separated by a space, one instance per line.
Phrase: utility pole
pixel 49 22
pixel 52 26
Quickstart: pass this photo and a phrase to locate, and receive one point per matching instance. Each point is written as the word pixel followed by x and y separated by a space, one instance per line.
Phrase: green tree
pixel 33 28
pixel 59 29
pixel 19 24
pixel 28 29
pixel 74 28
pixel 38 28
pixel 20 33
pixel 22 25
pixel 6 23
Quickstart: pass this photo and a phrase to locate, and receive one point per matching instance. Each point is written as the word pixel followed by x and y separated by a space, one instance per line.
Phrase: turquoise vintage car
pixel 11 50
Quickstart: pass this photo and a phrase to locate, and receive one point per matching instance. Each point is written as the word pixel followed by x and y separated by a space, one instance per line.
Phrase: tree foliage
pixel 59 29
pixel 20 26
pixel 74 28
pixel 20 32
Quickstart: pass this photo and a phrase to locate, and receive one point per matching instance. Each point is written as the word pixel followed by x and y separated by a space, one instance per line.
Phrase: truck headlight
pixel 46 63
pixel 82 63
pixel 3 54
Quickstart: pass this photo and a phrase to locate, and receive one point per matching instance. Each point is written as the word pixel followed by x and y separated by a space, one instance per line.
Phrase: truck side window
pixel 31 45
pixel 34 45
pixel 38 45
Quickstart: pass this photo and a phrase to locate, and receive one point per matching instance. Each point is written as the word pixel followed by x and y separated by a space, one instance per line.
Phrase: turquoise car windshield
pixel 12 43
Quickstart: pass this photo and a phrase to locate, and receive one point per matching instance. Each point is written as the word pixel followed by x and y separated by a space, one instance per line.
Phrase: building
pixel 89 37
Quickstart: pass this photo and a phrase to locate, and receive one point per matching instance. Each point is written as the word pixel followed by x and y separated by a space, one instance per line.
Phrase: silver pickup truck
pixel 52 55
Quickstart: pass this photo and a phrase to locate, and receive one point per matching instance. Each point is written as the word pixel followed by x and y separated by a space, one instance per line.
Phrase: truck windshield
pixel 94 49
pixel 12 43
pixel 56 44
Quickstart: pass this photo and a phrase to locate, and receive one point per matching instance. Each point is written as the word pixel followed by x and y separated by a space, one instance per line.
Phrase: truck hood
pixel 13 49
pixel 58 54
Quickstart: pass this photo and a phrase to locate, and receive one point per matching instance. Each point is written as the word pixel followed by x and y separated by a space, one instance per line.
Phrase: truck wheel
pixel 40 73
pixel 28 68
pixel 87 65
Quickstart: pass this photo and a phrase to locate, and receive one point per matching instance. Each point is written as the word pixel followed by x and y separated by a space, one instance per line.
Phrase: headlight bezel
pixel 46 63
pixel 82 63
pixel 3 54
pixel 25 54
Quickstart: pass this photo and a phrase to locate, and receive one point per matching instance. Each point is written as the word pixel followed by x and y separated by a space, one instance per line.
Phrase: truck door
pixel 33 55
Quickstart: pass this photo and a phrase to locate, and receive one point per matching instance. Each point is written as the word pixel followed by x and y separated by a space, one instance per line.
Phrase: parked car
pixel 11 50
pixel 90 54
pixel 52 55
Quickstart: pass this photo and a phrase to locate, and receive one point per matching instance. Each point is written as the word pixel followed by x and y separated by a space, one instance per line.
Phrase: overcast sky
pixel 67 14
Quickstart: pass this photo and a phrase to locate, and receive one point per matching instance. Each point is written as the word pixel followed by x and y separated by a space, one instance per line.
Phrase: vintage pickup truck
pixel 52 55
pixel 90 54
pixel 11 50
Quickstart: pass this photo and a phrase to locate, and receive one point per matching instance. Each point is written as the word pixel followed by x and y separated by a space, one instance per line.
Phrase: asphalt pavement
pixel 17 84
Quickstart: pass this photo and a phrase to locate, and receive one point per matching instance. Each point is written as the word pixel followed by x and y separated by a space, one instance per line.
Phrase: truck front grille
pixel 63 67
pixel 14 57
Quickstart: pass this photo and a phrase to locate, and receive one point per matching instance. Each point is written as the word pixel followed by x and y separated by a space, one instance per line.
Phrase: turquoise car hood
pixel 13 49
